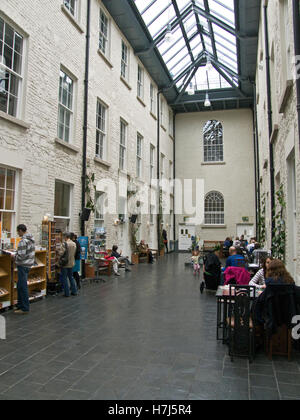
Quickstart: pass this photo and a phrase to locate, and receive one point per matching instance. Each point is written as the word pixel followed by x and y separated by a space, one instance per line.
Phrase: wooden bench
pixel 209 246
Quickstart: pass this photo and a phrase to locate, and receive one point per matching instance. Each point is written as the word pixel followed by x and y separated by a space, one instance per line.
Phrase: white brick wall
pixel 288 138
pixel 52 40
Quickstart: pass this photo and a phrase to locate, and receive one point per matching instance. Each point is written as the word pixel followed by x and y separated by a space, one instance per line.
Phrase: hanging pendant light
pixel 169 35
pixel 207 102
pixel 191 90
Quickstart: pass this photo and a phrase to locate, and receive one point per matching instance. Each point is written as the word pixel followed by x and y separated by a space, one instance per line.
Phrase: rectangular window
pixel 162 166
pixel 65 107
pixel 99 210
pixel 62 205
pixel 72 6
pixel 123 138
pixel 124 61
pixel 152 99
pixel 101 124
pixel 11 71
pixel 139 156
pixel 161 111
pixel 7 202
pixel 152 209
pixel 104 33
pixel 152 162
pixel 140 83
pixel 171 125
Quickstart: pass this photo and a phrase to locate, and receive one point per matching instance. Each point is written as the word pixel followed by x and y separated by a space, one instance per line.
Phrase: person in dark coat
pixel 277 304
pixel 212 272
pixel 165 239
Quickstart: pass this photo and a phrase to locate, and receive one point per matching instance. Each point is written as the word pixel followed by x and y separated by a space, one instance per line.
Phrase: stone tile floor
pixel 147 335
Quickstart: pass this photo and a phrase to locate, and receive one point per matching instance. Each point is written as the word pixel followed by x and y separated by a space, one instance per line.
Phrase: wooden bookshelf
pixel 5 281
pixel 37 278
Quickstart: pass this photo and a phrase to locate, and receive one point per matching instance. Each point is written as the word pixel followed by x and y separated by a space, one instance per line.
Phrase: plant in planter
pixel 279 238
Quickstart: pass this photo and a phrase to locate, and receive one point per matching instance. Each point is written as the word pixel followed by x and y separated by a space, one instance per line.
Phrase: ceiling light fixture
pixel 169 34
pixel 207 102
pixel 191 90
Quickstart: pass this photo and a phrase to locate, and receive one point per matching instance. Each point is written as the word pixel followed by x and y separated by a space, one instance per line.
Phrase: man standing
pixel 67 252
pixel 24 261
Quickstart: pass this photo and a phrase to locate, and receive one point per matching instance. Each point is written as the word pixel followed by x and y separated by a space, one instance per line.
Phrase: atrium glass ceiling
pixel 196 39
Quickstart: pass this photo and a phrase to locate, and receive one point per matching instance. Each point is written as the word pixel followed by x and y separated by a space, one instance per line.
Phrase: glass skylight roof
pixel 191 33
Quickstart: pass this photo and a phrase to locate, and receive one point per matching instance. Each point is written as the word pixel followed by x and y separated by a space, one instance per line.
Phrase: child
pixel 195 260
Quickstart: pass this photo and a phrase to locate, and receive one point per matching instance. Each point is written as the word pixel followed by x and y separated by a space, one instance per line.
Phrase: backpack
pixel 64 259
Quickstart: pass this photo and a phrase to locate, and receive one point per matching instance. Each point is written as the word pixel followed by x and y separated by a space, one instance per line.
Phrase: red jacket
pixel 239 275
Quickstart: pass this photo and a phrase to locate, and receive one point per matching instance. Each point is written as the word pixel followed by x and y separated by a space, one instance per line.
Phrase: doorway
pixel 246 230
pixel 185 237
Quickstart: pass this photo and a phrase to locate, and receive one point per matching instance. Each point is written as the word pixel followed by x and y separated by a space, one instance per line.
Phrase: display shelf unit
pixel 51 240
pixel 5 281
pixel 37 278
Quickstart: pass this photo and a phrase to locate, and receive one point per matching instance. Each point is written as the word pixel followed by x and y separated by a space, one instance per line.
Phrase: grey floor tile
pixel 264 394
pixel 238 373
pixel 288 378
pixel 287 390
pixel 263 381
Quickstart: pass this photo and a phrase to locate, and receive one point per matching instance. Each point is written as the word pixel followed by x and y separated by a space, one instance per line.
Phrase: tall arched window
pixel 214 208
pixel 213 141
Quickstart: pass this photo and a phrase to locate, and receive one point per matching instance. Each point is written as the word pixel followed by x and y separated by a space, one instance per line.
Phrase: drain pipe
pixel 256 160
pixel 296 17
pixel 85 122
pixel 158 172
pixel 174 177
pixel 270 119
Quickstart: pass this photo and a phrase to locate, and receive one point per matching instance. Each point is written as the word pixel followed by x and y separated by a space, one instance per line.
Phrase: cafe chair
pixel 279 309
pixel 241 332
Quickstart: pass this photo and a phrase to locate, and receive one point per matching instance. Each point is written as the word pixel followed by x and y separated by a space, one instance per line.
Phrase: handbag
pixel 64 259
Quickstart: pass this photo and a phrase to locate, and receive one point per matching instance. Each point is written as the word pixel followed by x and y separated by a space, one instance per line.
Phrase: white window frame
pixel 214 211
pixel 67 218
pixel 124 60
pixel 12 212
pixel 140 82
pixel 99 217
pixel 7 73
pixel 101 131
pixel 123 145
pixel 161 111
pixel 210 152
pixel 68 5
pixel 152 162
pixel 162 165
pixel 152 99
pixel 104 47
pixel 66 110
pixel 171 125
pixel 139 156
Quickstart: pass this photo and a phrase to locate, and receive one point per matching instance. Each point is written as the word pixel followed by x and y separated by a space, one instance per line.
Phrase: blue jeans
pixel 22 287
pixel 67 273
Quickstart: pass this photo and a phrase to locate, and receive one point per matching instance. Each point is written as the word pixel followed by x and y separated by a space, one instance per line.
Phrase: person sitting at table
pixel 234 259
pixel 227 243
pixel 251 246
pixel 144 250
pixel 120 258
pixel 259 279
pixel 276 274
pixel 243 242
pixel 237 242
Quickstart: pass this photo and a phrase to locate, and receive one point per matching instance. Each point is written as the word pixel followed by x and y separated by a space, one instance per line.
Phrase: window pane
pixel 8 53
pixel 62 199
pixel 9 200
pixel 9 35
pixel 7 219
pixel 1 198
pixel 13 106
pixel 2 178
pixel 10 182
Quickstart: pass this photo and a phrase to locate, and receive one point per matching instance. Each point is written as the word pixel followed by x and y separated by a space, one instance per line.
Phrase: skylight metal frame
pixel 209 27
